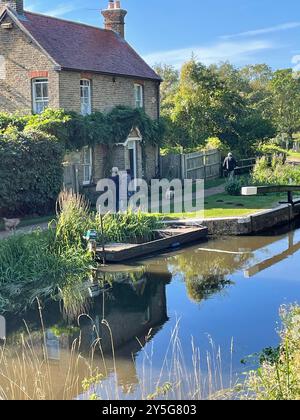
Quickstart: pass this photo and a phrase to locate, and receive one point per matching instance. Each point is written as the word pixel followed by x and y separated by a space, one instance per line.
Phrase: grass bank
pixel 52 262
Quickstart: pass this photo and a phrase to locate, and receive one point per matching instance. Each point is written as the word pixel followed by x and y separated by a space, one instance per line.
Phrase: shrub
pixel 275 173
pixel 30 172
pixel 234 185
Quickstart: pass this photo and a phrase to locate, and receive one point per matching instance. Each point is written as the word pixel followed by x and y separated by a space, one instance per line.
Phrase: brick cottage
pixel 50 62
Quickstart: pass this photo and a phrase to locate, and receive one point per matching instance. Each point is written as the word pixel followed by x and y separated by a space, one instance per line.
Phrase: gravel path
pixel 214 191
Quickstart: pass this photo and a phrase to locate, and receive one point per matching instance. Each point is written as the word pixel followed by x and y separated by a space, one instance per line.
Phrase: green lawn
pixel 223 205
pixel 294 155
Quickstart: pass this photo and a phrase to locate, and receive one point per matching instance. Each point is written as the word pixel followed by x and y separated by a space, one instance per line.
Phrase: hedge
pixel 31 172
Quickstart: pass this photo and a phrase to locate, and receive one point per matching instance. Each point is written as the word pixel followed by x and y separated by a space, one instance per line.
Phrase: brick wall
pixel 107 92
pixel 22 56
pixel 23 60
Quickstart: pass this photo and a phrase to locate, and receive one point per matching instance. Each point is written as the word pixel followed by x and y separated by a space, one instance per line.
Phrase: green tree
pixel 170 81
pixel 213 101
pixel 285 103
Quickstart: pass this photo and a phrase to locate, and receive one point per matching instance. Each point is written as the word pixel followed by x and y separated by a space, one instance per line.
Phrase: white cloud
pixel 235 52
pixel 59 11
pixel 263 31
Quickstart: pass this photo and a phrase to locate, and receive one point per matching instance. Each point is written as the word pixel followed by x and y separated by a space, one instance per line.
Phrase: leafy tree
pixel 285 103
pixel 213 102
pixel 170 81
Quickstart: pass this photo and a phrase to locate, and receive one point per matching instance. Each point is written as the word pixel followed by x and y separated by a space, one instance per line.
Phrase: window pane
pixel 45 90
pixel 85 97
pixel 138 90
pixel 40 95
pixel 38 90
pixel 87 155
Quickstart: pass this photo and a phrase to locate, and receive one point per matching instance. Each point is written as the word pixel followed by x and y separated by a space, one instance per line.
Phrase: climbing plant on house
pixel 32 148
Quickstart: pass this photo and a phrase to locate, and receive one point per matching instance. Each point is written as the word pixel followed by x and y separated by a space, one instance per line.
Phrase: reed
pixel 27 372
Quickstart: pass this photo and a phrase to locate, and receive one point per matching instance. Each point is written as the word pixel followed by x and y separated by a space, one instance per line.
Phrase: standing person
pixel 116 180
pixel 230 165
pixel 129 179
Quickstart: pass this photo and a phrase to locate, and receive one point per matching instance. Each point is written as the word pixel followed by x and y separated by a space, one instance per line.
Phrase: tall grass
pixel 278 377
pixel 43 262
pixel 75 218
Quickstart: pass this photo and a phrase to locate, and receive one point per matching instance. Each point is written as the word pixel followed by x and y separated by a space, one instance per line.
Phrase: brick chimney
pixel 114 17
pixel 16 5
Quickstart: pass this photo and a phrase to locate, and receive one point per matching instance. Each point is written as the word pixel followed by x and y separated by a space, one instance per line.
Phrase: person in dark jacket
pixel 116 180
pixel 229 165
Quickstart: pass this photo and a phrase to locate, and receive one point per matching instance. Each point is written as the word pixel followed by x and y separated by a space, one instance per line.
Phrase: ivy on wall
pixel 76 131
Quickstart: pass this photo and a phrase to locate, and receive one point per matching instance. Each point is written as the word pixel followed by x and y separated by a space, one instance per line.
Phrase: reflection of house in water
pixel 134 311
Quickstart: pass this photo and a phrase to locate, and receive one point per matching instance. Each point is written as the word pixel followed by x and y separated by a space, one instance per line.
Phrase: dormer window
pixel 85 97
pixel 139 95
pixel 40 95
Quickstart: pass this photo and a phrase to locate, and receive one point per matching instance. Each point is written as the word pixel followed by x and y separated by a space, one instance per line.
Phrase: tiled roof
pixel 76 46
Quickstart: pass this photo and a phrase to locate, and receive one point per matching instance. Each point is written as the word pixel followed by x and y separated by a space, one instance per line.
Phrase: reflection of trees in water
pixel 206 273
pixel 202 288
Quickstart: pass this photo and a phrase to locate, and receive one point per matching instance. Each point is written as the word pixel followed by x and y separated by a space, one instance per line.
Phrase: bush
pixel 31 172
pixel 275 173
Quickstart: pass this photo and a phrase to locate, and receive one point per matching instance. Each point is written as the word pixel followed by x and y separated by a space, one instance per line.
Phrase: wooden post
pixel 102 236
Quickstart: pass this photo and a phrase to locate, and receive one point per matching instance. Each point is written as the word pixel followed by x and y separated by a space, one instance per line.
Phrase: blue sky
pixel 169 31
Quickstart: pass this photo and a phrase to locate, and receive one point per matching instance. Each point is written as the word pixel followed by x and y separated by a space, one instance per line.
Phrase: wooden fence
pixel 198 165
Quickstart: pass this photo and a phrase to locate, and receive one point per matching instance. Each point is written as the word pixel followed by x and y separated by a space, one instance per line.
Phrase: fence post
pixel 204 165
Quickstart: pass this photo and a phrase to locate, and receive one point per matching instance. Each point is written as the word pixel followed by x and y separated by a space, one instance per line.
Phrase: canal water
pixel 198 312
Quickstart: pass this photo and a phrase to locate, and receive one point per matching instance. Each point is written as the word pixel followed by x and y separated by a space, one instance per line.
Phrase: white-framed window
pixel 87 165
pixel 139 95
pixel 40 95
pixel 85 97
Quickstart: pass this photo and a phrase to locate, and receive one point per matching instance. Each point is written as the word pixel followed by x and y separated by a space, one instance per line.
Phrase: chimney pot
pixel 16 5
pixel 114 17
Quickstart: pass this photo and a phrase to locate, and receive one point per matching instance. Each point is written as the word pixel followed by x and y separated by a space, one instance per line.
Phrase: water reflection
pixel 123 308
pixel 122 317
